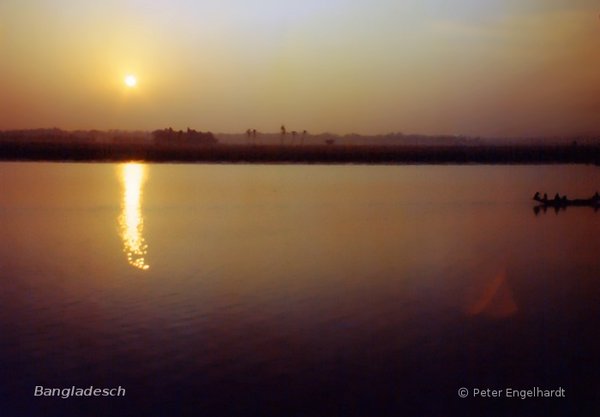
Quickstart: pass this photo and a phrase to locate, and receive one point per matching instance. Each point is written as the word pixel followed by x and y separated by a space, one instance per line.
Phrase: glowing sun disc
pixel 130 81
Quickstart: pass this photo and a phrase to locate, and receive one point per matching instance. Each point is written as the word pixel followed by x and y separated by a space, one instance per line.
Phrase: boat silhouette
pixel 563 201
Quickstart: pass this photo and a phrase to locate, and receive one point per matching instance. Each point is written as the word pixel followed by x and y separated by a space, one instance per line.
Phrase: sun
pixel 130 81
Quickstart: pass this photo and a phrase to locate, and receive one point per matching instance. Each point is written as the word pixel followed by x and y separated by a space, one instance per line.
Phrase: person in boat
pixel 596 197
pixel 536 197
pixel 557 198
pixel 545 197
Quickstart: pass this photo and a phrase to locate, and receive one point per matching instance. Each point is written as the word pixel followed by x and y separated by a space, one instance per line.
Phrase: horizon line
pixel 585 135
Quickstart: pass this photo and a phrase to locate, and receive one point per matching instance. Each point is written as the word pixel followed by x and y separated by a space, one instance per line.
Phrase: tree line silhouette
pixel 252 135
pixel 190 136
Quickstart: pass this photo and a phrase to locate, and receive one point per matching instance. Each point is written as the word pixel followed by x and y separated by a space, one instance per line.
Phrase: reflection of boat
pixel 563 201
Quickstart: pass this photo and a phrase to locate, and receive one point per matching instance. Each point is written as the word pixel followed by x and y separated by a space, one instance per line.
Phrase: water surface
pixel 235 290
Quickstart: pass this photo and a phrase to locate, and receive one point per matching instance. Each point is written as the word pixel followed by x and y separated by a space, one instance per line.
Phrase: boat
pixel 563 201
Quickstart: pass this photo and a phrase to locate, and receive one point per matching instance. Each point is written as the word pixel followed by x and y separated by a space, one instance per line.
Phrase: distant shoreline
pixel 299 154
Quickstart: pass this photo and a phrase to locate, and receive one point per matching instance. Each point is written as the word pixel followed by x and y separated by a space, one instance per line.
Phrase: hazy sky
pixel 477 67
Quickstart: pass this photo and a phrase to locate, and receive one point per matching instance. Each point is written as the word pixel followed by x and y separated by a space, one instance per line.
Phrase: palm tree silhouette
pixel 283 132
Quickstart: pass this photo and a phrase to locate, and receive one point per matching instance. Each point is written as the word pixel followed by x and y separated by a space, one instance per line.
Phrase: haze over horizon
pixel 494 68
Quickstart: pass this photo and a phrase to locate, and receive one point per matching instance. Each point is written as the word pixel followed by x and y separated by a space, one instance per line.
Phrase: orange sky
pixel 493 68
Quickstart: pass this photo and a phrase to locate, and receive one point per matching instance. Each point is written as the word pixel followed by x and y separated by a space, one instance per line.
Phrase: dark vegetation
pixel 191 136
pixel 190 146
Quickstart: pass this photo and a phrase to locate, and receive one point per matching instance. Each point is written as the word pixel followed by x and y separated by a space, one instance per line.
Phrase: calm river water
pixel 236 290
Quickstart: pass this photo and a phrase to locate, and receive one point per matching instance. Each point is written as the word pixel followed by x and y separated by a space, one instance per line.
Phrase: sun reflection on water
pixel 131 222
